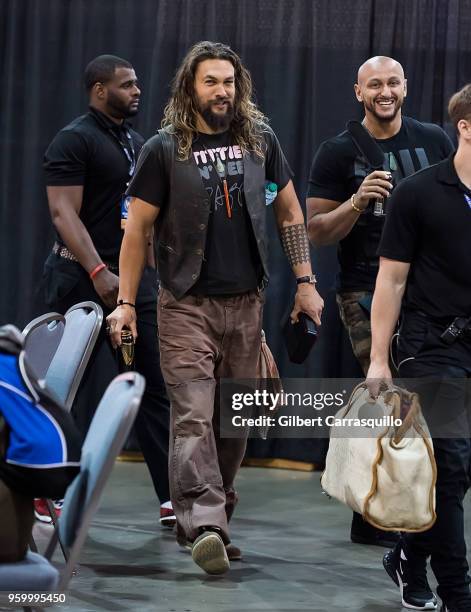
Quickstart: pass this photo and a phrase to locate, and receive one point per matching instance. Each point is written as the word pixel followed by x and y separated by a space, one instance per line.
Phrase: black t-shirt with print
pixel 339 168
pixel 231 263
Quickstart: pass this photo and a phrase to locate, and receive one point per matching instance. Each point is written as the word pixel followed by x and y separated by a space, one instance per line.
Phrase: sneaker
pixel 416 593
pixel 233 552
pixel 41 511
pixel 363 533
pixel 167 515
pixel 208 551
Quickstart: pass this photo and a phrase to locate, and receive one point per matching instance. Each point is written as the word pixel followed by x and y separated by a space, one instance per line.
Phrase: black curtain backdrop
pixel 303 56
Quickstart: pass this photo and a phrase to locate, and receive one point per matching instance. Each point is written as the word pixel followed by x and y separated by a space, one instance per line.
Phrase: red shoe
pixel 167 515
pixel 41 511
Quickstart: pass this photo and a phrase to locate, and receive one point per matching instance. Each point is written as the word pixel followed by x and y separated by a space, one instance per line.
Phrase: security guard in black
pixel 428 225
pixel 89 152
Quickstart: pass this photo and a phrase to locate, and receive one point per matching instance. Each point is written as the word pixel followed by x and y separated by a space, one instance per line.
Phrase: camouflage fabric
pixel 357 324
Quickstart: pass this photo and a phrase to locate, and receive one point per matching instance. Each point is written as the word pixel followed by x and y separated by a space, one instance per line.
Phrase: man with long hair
pixel 201 179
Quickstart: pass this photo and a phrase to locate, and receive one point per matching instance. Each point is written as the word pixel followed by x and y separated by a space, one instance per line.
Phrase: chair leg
pixel 51 545
pixel 32 544
pixel 56 537
pixel 52 511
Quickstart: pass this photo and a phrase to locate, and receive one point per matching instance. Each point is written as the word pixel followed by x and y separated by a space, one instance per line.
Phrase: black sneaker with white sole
pixel 416 593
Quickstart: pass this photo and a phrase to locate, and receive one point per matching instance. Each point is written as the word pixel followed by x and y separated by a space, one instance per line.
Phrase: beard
pixel 383 118
pixel 216 121
pixel 119 109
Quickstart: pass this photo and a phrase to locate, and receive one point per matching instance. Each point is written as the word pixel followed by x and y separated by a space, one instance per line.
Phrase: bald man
pixel 341 194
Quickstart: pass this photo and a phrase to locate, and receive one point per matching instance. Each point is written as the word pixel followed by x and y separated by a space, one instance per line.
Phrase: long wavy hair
pixel 181 110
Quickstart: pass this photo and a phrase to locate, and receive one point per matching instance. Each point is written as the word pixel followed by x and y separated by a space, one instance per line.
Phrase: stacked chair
pixel 58 349
pixel 105 438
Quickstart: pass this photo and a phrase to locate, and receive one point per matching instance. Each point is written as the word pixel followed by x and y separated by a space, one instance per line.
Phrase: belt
pixel 438 320
pixel 445 320
pixel 63 252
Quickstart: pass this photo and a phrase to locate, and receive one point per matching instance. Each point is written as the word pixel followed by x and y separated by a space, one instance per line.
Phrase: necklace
pixel 220 168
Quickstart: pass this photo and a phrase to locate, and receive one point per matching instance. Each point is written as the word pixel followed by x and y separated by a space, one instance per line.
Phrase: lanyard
pixel 130 153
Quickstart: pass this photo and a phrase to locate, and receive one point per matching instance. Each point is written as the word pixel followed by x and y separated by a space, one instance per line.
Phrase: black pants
pixel 66 284
pixel 423 354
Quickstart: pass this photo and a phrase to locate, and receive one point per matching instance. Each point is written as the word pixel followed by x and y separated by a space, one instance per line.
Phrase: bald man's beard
pixel 381 118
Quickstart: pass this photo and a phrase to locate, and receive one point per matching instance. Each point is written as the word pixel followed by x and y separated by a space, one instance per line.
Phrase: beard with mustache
pixel 217 122
pixel 120 109
pixel 381 118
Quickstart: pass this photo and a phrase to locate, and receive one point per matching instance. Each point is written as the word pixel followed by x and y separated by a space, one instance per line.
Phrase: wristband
pixel 354 206
pixel 95 271
pixel 124 303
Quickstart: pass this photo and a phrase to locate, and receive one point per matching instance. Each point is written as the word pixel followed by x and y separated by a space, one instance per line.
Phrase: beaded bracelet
pixel 354 206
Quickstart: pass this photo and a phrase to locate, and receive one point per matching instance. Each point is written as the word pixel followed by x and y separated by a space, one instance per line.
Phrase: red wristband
pixel 95 271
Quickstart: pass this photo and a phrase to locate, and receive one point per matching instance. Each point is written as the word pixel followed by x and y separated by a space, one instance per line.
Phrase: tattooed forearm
pixel 295 244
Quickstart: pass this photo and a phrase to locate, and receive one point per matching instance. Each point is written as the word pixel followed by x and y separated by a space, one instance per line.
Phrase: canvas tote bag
pixel 389 474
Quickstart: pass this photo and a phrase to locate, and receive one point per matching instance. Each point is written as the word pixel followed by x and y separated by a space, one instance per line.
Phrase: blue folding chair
pixel 105 438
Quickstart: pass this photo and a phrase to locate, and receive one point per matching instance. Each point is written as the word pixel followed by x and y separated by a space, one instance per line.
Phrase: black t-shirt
pixel 339 168
pixel 428 225
pixel 95 152
pixel 231 263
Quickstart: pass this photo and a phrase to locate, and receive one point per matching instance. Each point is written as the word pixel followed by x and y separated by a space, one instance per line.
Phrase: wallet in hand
pixel 299 337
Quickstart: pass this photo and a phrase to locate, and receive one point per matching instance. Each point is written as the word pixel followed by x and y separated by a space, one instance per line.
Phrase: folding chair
pixel 105 438
pixel 42 337
pixel 82 326
pixel 64 372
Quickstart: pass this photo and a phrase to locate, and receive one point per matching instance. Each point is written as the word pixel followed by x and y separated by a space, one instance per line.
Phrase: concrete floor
pixel 297 555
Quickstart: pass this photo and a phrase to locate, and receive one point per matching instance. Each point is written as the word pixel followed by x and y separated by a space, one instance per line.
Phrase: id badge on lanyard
pixel 125 200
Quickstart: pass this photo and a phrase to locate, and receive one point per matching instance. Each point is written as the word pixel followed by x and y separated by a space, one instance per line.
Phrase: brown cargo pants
pixel 203 339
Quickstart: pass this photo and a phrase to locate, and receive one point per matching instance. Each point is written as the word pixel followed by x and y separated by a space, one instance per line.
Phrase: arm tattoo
pixel 295 244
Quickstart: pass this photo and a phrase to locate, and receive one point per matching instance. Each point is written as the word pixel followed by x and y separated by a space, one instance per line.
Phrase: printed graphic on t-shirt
pixel 218 163
pixel 400 163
